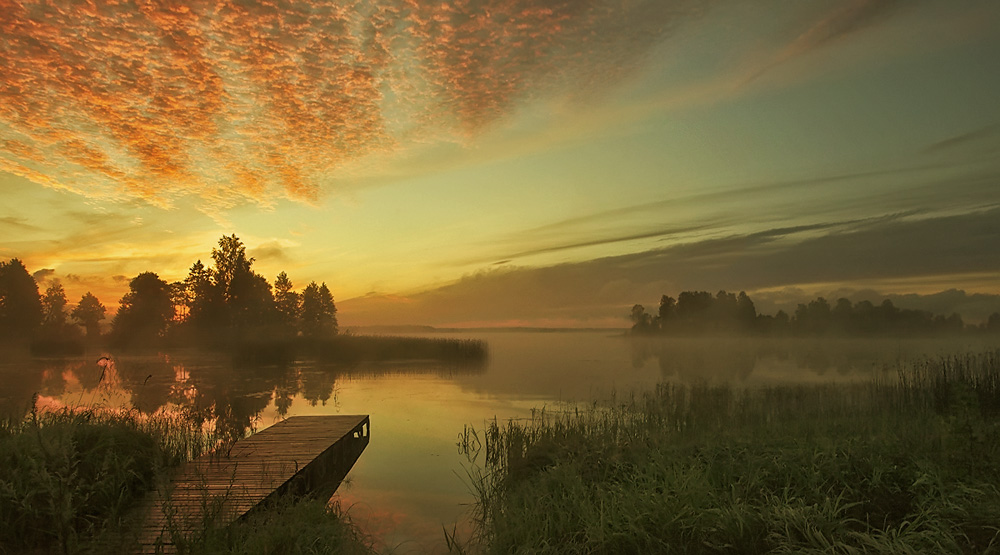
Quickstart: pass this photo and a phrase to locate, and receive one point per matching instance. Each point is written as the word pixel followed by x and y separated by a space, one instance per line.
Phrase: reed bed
pixel 906 463
pixel 70 479
pixel 73 481
pixel 353 349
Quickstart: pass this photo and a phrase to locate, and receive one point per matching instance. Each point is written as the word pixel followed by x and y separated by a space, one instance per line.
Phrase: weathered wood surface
pixel 303 455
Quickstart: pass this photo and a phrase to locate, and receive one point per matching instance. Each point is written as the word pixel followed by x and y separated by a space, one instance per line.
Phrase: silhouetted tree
pixel 144 312
pixel 641 321
pixel 693 308
pixel 54 307
pixel 699 311
pixel 203 299
pixel 55 335
pixel 723 314
pixel 667 310
pixel 180 299
pixel 814 317
pixel 251 304
pixel 993 322
pixel 231 264
pixel 20 304
pixel 842 315
pixel 88 313
pixel 746 312
pixel 319 314
pixel 779 324
pixel 286 302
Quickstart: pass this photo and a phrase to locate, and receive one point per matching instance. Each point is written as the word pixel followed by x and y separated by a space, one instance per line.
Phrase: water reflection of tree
pixel 721 359
pixel 318 385
pixel 735 358
pixel 20 381
pixel 148 381
pixel 285 389
pixel 88 374
pixel 205 388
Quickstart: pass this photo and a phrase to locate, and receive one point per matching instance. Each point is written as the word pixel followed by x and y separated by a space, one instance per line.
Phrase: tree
pixel 667 311
pixel 54 307
pixel 842 315
pixel 993 322
pixel 88 313
pixel 55 335
pixel 252 303
pixel 286 302
pixel 724 312
pixel 144 312
pixel 814 317
pixel 694 305
pixel 231 263
pixel 204 304
pixel 245 297
pixel 20 304
pixel 319 314
pixel 641 321
pixel 746 312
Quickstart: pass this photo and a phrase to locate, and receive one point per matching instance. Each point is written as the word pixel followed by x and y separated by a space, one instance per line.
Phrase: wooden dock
pixel 303 455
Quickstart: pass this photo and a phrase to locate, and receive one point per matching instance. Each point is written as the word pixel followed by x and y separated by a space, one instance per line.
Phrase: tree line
pixel 222 304
pixel 702 312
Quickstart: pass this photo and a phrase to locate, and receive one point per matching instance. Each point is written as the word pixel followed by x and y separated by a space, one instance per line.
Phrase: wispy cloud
pixel 927 188
pixel 841 21
pixel 868 250
pixel 986 136
pixel 18 223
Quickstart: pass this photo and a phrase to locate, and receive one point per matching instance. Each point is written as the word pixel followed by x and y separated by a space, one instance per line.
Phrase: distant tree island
pixel 227 306
pixel 699 312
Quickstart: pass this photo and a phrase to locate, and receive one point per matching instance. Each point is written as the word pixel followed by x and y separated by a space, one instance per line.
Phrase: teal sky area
pixel 491 162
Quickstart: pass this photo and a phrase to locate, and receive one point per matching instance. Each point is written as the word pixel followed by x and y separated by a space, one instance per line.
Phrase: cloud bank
pixel 599 292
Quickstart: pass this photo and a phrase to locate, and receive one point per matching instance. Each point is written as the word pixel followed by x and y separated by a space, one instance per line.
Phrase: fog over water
pixel 412 479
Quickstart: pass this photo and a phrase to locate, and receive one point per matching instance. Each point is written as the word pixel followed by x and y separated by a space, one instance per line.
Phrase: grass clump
pixel 903 465
pixel 71 478
pixel 292 527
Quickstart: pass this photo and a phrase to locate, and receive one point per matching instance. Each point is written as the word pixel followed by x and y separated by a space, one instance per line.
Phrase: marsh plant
pixel 906 463
pixel 76 481
pixel 71 478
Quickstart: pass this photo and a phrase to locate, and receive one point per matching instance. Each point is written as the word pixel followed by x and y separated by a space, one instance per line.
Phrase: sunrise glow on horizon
pixel 506 162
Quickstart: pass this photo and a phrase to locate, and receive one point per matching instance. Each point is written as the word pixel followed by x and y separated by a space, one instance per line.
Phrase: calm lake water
pixel 411 480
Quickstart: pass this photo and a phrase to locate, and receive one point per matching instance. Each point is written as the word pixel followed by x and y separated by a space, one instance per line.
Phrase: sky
pixel 508 162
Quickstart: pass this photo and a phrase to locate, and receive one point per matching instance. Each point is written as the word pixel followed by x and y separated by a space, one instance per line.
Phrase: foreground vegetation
pixel 909 463
pixel 71 482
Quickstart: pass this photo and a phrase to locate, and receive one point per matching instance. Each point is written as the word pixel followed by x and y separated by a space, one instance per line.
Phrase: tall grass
pixel 74 481
pixel 909 462
pixel 292 526
pixel 72 478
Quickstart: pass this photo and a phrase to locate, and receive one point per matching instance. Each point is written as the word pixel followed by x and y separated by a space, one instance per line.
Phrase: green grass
pixel 72 481
pixel 909 463
pixel 68 479
pixel 295 526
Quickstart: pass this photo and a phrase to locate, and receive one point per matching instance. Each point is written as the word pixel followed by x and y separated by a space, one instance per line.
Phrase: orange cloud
pixel 234 101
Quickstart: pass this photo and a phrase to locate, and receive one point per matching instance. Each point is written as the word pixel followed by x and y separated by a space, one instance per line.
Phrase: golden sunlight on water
pixel 412 482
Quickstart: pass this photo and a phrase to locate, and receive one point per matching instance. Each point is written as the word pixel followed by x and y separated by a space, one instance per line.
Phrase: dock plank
pixel 303 455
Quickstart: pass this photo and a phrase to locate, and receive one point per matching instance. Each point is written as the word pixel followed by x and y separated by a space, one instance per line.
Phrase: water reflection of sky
pixel 411 480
